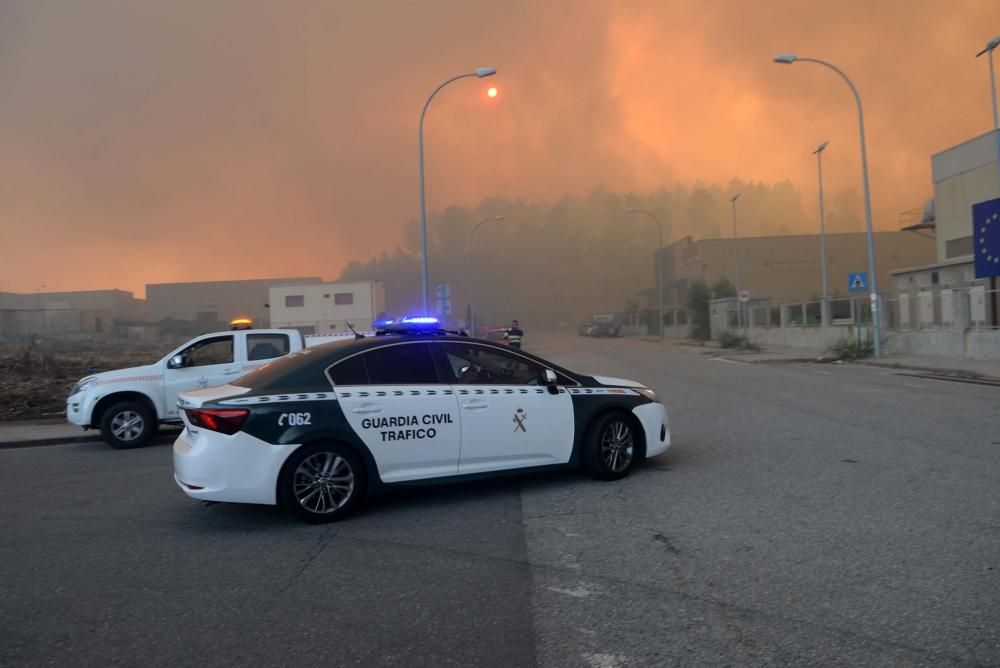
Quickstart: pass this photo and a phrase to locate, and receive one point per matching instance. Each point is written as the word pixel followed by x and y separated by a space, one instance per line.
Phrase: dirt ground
pixel 36 378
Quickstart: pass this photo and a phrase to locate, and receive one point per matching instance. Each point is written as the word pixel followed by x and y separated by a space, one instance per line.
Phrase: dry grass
pixel 35 378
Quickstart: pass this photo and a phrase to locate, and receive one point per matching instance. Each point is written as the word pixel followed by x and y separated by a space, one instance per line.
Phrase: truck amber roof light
pixel 240 323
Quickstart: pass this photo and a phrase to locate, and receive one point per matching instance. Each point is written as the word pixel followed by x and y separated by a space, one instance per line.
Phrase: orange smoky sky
pixel 190 140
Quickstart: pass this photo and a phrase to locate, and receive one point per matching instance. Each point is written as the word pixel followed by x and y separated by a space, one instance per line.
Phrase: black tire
pixel 128 424
pixel 317 495
pixel 610 446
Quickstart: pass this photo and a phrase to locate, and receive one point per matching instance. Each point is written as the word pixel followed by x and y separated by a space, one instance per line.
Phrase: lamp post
pixel 788 59
pixel 993 44
pixel 659 268
pixel 736 257
pixel 472 237
pixel 990 47
pixel 480 72
pixel 822 225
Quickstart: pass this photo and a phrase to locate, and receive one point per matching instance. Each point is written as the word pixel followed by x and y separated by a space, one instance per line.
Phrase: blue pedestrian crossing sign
pixel 986 238
pixel 858 282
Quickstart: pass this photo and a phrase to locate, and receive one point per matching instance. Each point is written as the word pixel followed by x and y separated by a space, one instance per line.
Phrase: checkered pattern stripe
pixel 130 379
pixel 602 390
pixel 421 392
pixel 280 398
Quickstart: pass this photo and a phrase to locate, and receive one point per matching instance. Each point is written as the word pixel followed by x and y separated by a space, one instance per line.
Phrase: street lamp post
pixel 659 268
pixel 990 47
pixel 479 72
pixel 993 44
pixel 822 234
pixel 736 256
pixel 788 59
pixel 472 237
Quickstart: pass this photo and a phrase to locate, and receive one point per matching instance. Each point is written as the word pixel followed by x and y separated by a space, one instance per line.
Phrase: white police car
pixel 318 430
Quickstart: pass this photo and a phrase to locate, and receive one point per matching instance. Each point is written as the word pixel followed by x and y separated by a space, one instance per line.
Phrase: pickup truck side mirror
pixel 176 362
pixel 551 381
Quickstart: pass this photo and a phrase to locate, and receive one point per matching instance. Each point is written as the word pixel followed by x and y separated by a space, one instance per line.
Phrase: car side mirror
pixel 551 381
pixel 176 362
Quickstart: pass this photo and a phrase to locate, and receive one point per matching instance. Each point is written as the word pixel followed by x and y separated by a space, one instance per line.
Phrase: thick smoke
pixel 147 142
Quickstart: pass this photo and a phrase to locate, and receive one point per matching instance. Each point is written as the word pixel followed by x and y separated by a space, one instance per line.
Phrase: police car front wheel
pixel 610 447
pixel 322 482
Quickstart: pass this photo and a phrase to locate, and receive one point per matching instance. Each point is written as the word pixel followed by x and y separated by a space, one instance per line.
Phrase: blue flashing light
pixel 378 324
pixel 411 324
pixel 419 320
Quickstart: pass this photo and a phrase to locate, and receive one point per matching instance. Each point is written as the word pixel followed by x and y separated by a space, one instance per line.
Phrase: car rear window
pixel 350 371
pixel 301 371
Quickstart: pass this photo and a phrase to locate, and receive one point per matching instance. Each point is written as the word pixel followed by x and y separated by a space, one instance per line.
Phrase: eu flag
pixel 986 237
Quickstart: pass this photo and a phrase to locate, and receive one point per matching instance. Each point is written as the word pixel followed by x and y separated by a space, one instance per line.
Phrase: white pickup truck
pixel 128 405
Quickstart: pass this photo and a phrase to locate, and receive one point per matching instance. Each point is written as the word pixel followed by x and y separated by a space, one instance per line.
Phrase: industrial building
pixel 326 308
pixel 82 312
pixel 212 302
pixel 785 268
pixel 963 175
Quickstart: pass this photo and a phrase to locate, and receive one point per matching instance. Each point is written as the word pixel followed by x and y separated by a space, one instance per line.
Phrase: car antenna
pixel 355 332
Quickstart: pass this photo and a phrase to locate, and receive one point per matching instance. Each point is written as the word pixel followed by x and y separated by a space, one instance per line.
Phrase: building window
pixel 343 298
pixel 958 247
pixel 295 300
pixel 935 278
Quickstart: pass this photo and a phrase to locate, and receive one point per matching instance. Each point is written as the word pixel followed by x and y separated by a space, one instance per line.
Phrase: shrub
pixel 732 340
pixel 851 349
pixel 697 304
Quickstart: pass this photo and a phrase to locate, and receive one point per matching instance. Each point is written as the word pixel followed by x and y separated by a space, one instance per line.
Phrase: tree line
pixel 556 262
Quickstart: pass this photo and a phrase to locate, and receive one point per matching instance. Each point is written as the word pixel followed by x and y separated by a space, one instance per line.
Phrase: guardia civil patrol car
pixel 318 430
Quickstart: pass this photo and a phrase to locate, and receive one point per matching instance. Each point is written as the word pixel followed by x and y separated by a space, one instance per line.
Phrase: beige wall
pixel 215 301
pixel 319 310
pixel 787 268
pixel 963 175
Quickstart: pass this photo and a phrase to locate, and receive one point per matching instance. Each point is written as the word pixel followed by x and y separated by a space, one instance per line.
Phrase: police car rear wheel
pixel 610 447
pixel 322 483
pixel 128 424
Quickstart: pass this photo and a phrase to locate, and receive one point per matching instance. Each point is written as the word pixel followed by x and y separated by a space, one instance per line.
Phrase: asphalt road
pixel 806 515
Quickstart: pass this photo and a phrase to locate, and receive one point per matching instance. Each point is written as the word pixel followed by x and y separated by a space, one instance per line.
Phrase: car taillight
pixel 223 420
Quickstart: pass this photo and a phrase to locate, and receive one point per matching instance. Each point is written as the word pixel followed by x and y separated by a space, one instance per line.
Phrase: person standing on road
pixel 514 335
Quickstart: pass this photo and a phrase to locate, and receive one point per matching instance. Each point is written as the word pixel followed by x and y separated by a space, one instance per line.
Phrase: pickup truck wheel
pixel 128 424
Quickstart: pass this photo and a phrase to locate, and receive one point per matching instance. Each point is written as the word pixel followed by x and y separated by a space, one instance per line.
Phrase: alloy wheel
pixel 323 482
pixel 127 426
pixel 617 446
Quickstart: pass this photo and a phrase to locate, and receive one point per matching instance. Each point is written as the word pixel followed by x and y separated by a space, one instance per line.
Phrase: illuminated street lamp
pixel 480 72
pixel 659 267
pixel 472 236
pixel 788 59
pixel 736 257
pixel 993 44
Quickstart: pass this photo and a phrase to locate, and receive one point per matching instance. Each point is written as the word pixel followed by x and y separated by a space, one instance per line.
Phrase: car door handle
pixel 367 408
pixel 231 373
pixel 475 404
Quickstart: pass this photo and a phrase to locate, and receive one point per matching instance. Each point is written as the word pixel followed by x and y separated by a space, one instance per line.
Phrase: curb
pixel 30 443
pixel 959 374
pixel 956 373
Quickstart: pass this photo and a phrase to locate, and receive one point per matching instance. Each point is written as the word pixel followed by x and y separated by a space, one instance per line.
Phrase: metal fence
pixel 848 311
pixel 935 308
pixel 919 310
